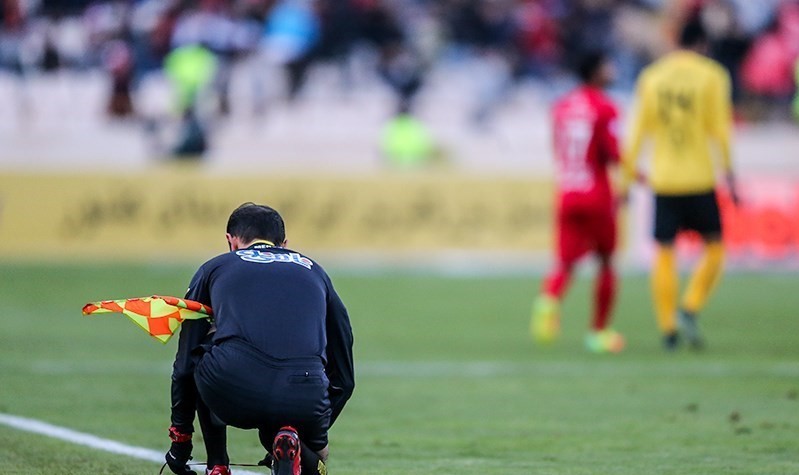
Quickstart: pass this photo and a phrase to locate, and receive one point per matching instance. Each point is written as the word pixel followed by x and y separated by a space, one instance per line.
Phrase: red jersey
pixel 585 145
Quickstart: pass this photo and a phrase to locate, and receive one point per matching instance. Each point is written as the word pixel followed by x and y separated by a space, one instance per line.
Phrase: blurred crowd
pixel 197 44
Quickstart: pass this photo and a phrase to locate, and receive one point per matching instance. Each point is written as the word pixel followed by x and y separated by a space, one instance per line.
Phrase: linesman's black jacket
pixel 280 302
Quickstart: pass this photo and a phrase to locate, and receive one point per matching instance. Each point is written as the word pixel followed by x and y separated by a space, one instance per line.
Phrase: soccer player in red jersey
pixel 585 146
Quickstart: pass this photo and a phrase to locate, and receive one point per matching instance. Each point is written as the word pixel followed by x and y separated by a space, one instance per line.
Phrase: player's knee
pixel 566 266
pixel 605 260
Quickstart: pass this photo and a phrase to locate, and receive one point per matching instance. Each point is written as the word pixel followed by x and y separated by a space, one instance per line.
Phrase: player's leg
pixel 215 437
pixel 706 220
pixel 213 429
pixel 664 276
pixel 571 231
pixel 604 293
pixel 231 364
pixel 545 322
pixel 601 338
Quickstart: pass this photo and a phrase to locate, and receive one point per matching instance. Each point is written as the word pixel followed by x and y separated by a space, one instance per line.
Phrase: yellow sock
pixel 704 277
pixel 665 282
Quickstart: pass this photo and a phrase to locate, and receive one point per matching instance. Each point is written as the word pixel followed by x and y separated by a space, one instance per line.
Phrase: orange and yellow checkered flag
pixel 158 315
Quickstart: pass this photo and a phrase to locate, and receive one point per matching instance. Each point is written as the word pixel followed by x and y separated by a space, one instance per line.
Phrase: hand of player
pixel 622 198
pixel 178 457
pixel 179 453
pixel 733 189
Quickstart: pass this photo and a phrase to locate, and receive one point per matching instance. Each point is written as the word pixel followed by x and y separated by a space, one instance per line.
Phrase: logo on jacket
pixel 265 257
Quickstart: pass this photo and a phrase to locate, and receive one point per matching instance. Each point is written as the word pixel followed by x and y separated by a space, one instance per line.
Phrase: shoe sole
pixel 286 453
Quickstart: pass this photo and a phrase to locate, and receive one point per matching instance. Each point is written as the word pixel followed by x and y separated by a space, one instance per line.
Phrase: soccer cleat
pixel 545 321
pixel 671 341
pixel 286 452
pixel 690 330
pixel 218 470
pixel 604 341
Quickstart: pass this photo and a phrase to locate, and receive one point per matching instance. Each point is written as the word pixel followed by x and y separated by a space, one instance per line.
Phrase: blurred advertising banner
pixel 762 231
pixel 175 213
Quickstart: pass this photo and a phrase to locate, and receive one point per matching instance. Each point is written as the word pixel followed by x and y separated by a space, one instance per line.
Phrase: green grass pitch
pixel 448 381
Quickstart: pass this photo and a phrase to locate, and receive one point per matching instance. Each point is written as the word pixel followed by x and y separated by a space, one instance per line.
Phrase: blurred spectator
pixel 292 32
pixel 728 42
pixel 213 25
pixel 776 52
pixel 152 26
pixel 12 32
pixel 499 43
pixel 487 30
pixel 191 69
pixel 588 25
pixel 402 70
pixel 60 8
pixel 406 142
pixel 399 64
pixel 13 26
pixel 538 36
pixel 769 53
pixel 796 95
pixel 111 37
pixel 118 60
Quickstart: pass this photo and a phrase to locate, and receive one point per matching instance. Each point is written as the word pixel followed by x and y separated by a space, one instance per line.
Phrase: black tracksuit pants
pixel 246 388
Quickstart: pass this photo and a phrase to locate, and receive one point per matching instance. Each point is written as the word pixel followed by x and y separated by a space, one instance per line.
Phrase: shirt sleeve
pixel 192 334
pixel 340 369
pixel 609 135
pixel 638 132
pixel 721 117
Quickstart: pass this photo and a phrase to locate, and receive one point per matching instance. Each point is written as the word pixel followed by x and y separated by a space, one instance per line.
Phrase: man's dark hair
pixel 250 221
pixel 589 63
pixel 692 34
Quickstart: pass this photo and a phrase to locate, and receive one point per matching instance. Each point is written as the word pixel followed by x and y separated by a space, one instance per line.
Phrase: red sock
pixel 604 295
pixel 557 282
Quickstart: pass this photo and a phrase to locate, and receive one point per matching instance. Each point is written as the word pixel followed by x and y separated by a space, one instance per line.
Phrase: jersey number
pixel 674 108
pixel 573 142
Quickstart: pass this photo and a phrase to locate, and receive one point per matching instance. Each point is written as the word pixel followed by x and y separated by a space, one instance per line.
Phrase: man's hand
pixel 179 453
pixel 622 198
pixel 732 187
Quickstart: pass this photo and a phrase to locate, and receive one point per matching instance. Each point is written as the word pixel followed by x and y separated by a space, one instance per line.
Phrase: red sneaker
pixel 286 452
pixel 218 470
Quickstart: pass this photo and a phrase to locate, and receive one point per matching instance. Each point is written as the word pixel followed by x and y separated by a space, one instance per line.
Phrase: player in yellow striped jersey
pixel 683 105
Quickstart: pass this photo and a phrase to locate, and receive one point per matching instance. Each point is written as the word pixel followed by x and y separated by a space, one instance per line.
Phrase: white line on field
pixel 468 369
pixel 88 440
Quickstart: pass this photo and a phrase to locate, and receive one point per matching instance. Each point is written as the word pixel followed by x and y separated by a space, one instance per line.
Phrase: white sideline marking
pixel 89 440
pixel 443 368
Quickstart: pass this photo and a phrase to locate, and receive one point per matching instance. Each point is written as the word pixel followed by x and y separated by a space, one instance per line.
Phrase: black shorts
pixel 698 212
pixel 247 389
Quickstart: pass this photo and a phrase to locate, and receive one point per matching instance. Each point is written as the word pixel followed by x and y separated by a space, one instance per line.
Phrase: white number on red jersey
pixel 571 147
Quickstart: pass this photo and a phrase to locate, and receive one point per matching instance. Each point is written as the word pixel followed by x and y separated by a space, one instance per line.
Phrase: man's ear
pixel 232 243
pixel 285 243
